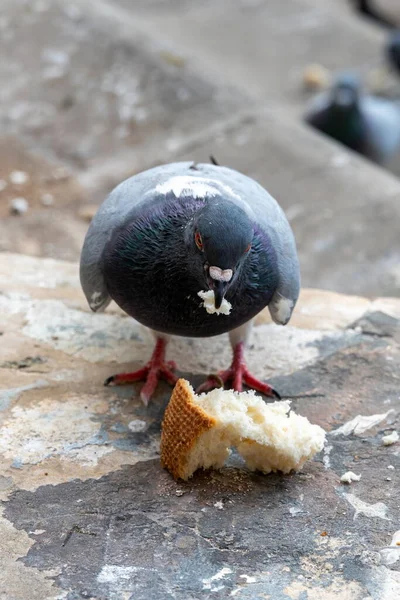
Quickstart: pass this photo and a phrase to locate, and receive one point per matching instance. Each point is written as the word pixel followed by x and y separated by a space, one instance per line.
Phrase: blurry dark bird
pixel 367 8
pixel 165 235
pixel 367 124
pixel 392 51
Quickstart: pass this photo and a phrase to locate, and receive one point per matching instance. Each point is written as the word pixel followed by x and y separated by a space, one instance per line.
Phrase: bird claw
pixel 238 379
pixel 157 368
pixel 214 380
pixel 239 374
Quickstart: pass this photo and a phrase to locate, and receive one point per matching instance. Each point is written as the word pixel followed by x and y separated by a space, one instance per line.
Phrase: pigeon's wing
pixel 383 121
pixel 119 206
pixel 264 209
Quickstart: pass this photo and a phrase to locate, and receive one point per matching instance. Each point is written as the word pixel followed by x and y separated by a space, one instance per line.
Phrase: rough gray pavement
pixel 88 512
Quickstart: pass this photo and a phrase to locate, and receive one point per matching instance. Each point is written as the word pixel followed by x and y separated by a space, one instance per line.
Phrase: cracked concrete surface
pixel 88 512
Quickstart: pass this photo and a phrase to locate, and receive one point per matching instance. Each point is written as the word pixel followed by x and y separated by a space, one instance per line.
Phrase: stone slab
pixel 88 512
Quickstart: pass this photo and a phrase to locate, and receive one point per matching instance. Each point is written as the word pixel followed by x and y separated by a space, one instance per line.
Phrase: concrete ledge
pixel 87 509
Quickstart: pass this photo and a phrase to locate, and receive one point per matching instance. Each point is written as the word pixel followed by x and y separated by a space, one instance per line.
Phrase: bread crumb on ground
pixel 390 439
pixel 349 477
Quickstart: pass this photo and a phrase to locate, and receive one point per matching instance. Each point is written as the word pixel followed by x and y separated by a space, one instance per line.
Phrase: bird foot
pixel 157 368
pixel 239 374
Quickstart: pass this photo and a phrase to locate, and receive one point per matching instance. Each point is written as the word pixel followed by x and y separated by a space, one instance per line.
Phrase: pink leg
pixel 239 374
pixel 157 368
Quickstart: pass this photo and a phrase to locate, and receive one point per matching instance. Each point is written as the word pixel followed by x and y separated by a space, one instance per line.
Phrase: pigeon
pixel 367 124
pixel 366 8
pixel 170 232
pixel 392 51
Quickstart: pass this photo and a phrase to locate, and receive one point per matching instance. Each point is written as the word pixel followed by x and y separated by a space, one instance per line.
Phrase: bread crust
pixel 183 424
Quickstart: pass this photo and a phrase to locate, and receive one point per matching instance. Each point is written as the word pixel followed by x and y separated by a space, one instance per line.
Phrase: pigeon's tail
pixel 214 161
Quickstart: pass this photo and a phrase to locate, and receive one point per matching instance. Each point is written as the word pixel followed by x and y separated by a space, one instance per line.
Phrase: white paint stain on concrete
pixel 10 394
pixel 295 510
pixel 391 554
pixel 93 337
pixel 377 510
pixel 121 580
pixel 115 573
pixel 88 455
pixel 326 457
pixel 387 581
pixel 53 428
pixel 360 424
pixel 248 578
pixel 208 583
pixel 137 425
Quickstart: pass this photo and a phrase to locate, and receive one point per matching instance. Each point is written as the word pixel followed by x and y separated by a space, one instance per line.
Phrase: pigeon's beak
pixel 219 292
pixel 219 281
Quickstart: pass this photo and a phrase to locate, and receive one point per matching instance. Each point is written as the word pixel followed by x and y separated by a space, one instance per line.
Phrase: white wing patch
pixel 96 300
pixel 198 187
pixel 281 309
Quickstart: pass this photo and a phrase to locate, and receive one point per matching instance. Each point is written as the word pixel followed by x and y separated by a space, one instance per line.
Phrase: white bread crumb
pixel 349 477
pixel 388 440
pixel 270 437
pixel 209 303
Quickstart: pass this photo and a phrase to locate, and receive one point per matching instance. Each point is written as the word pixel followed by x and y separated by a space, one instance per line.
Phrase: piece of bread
pixel 208 298
pixel 199 432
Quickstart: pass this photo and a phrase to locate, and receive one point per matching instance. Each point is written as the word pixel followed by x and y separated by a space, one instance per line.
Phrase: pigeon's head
pixel 345 93
pixel 219 239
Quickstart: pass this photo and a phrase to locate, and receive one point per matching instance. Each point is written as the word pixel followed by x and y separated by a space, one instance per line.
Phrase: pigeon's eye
pixel 198 240
pixel 247 249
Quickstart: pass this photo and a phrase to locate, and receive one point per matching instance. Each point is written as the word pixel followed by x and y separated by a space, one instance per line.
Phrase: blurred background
pixel 93 91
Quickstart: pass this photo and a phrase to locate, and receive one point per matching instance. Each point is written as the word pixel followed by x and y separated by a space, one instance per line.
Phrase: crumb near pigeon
pixel 19 206
pixel 18 177
pixel 209 304
pixel 390 439
pixel 349 477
